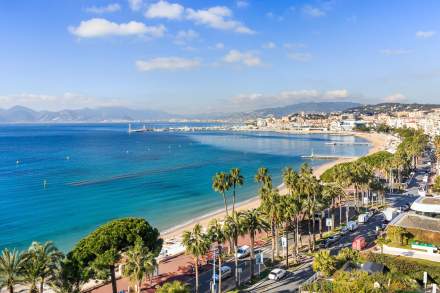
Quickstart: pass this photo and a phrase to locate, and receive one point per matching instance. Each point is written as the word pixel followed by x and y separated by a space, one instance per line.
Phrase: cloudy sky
pixel 202 56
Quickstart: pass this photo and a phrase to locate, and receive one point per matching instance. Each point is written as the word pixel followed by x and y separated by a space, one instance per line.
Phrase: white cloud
pixel 300 56
pixel 246 58
pixel 394 52
pixel 258 100
pixel 167 63
pixel 100 27
pixel 313 11
pixel 135 5
pixel 219 46
pixel 269 45
pixel 184 37
pixel 113 7
pixel 425 34
pixel 395 98
pixel 164 9
pixel 218 17
pixel 242 3
pixel 292 46
pixel 57 102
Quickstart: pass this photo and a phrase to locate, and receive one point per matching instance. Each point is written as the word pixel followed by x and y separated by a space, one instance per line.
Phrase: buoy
pixel 67 158
pixel 17 162
pixel 44 183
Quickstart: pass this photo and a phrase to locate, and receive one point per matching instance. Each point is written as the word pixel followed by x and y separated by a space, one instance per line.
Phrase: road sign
pixel 239 269
pixel 328 222
pixel 259 258
pixel 283 242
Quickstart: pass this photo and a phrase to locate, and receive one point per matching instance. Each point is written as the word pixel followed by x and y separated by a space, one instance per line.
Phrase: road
pixel 293 279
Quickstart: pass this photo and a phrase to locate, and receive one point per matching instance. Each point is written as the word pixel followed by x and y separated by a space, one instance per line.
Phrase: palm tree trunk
pixel 313 232
pixel 277 246
pixel 309 224
pixel 320 227
pixel 11 289
pixel 220 273
pixel 233 200
pixel 273 240
pixel 113 278
pixel 332 211
pixel 347 213
pixel 42 285
pixel 226 203
pixel 139 286
pixel 196 266
pixel 286 232
pixel 296 239
pixel 340 210
pixel 236 261
pixel 252 234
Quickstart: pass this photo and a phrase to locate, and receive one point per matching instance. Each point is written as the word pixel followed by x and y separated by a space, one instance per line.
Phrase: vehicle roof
pixel 244 247
pixel 276 271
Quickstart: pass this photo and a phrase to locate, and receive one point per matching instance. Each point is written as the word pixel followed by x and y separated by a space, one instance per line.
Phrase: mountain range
pixel 20 114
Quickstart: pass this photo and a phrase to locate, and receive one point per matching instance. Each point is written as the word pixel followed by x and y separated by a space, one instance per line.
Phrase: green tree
pixel 221 184
pixel 140 262
pixel 265 180
pixel 41 260
pixel 235 179
pixel 197 244
pixel 253 222
pixel 234 228
pixel 67 277
pixel 98 252
pixel 381 241
pixel 324 263
pixel 173 287
pixel 270 208
pixel 11 269
pixel 348 254
pixel 217 235
pixel 436 186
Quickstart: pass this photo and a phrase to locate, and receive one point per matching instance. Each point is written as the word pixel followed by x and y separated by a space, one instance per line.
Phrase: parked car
pixel 344 230
pixel 226 273
pixel 352 225
pixel 324 243
pixel 363 218
pixel 277 274
pixel 243 251
pixel 335 238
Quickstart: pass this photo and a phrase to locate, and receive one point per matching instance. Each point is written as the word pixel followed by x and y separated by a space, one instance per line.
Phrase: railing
pixel 310 280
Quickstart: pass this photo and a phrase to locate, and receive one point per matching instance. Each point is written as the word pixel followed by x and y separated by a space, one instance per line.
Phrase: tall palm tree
pixel 141 262
pixel 197 244
pixel 332 192
pixel 42 260
pixel 290 180
pixel 233 228
pixel 235 179
pixel 253 222
pixel 265 180
pixel 221 184
pixel 270 207
pixel 217 235
pixel 11 269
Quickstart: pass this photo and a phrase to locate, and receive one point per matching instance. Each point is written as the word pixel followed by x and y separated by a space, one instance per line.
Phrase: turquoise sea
pixel 59 182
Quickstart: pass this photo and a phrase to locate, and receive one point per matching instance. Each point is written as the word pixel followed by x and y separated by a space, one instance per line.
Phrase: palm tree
pixel 381 241
pixel 290 180
pixel 173 287
pixel 42 259
pixel 235 179
pixel 324 263
pixel 221 184
pixel 253 222
pixel 270 207
pixel 265 180
pixel 140 262
pixel 233 228
pixel 197 244
pixel 332 192
pixel 11 269
pixel 216 234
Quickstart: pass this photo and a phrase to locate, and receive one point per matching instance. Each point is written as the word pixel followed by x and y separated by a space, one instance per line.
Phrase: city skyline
pixel 216 56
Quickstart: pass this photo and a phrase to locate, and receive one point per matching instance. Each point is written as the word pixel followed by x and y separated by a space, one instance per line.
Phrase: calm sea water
pixel 95 173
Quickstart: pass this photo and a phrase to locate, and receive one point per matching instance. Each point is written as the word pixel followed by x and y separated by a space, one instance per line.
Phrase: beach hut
pixel 359 243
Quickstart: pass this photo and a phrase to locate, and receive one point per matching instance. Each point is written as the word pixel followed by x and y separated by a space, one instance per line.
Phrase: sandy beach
pixel 378 142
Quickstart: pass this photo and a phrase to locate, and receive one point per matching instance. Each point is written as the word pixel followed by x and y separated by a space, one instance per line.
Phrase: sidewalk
pixel 411 253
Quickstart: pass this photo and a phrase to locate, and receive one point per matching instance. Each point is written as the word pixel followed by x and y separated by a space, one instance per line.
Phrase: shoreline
pixel 378 142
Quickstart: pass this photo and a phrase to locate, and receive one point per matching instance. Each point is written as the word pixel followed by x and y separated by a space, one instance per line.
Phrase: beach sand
pixel 378 142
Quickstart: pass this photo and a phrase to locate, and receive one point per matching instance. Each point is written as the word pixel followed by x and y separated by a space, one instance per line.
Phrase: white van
pixel 363 218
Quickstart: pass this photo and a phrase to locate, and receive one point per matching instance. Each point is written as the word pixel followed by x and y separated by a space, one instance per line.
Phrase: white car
pixel 277 274
pixel 243 251
pixel 226 272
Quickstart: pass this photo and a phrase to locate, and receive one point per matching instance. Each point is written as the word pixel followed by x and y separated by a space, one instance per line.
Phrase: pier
pixel 314 156
pixel 143 129
pixel 347 143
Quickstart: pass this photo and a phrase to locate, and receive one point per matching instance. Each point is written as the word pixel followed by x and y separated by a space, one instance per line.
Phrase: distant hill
pixel 390 107
pixel 311 107
pixel 19 114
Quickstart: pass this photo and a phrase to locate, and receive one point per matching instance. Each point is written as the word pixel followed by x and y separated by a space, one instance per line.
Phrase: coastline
pixel 378 142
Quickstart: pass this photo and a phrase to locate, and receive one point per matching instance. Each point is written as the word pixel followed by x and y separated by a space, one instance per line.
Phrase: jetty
pixel 314 156
pixel 347 143
pixel 143 129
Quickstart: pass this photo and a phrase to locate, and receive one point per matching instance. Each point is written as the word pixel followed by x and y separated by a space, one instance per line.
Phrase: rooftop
pixel 427 205
pixel 410 220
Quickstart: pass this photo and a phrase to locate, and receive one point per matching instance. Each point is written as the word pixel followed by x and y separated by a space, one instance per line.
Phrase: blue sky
pixel 202 56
